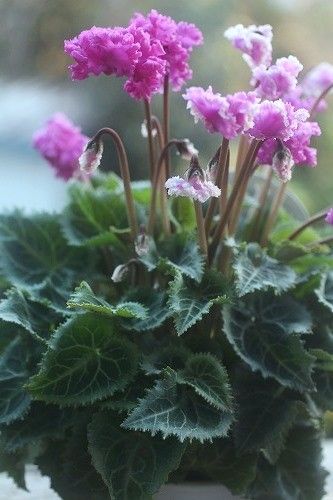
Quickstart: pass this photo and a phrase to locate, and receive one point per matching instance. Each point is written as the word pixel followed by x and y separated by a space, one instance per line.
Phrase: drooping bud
pixel 144 130
pixel 194 169
pixel 194 184
pixel 283 163
pixel 186 149
pixel 329 217
pixel 142 242
pixel 91 156
pixel 119 273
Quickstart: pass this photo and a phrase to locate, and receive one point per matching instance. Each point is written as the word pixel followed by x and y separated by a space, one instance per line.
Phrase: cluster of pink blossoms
pixel 276 112
pixel 150 48
pixel 278 79
pixel 255 42
pixel 229 116
pixel 61 143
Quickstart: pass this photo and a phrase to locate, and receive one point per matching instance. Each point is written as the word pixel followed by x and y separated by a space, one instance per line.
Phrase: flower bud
pixel 119 273
pixel 144 130
pixel 194 169
pixel 142 243
pixel 186 149
pixel 194 184
pixel 91 156
pixel 282 163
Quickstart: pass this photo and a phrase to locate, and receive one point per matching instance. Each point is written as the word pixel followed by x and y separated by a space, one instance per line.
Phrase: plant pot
pixel 194 492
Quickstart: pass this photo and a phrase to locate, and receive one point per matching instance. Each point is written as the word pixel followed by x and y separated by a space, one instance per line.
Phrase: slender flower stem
pixel 245 169
pixel 166 121
pixel 221 167
pixel 125 174
pixel 241 152
pixel 160 185
pixel 273 213
pixel 200 227
pixel 235 214
pixel 150 138
pixel 325 241
pixel 317 101
pixel 312 220
pixel 257 216
pixel 157 176
pixel 224 188
pixel 156 125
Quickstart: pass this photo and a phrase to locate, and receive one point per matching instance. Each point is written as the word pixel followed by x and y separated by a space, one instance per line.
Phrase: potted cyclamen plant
pixel 178 330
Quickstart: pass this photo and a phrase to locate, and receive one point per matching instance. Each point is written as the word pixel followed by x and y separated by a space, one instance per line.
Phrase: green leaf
pixel 173 355
pixel 324 359
pixel 261 330
pixel 128 399
pixel 14 399
pixel 68 465
pixel 209 379
pixel 255 270
pixel 133 465
pixel 321 347
pixel 301 462
pixel 183 255
pixel 287 224
pixel 183 212
pixel 313 263
pixel 218 462
pixel 141 192
pixel 87 361
pixel 35 317
pixel 266 412
pixel 84 298
pixel 190 301
pixel 324 390
pixel 174 409
pixel 107 180
pixel 91 215
pixel 34 255
pixel 42 421
pixel 13 464
pixel 325 291
pixel 289 250
pixel 155 305
pixel 178 253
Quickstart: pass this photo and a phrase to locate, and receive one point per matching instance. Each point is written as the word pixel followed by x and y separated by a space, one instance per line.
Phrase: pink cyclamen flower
pixel 195 188
pixel 61 143
pixel 318 79
pixel 189 35
pixel 112 51
pixel 276 120
pixel 128 52
pixel 148 74
pixel 254 41
pixel 196 185
pixel 329 217
pixel 298 100
pixel 276 80
pixel 177 40
pixel 298 144
pixel 230 115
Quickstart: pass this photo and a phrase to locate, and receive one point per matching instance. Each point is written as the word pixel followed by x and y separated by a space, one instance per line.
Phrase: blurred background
pixel 34 83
